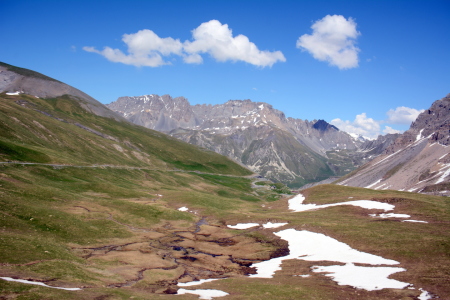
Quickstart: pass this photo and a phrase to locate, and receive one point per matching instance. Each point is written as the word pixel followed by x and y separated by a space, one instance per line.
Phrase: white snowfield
pixel 203 294
pixel 296 204
pixel 184 208
pixel 250 225
pixel 38 283
pixel 311 246
pixel 198 282
pixel 243 225
pixel 367 278
pixel 13 94
pixel 273 225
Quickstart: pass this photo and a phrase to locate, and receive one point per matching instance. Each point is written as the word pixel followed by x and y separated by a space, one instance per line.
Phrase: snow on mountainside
pixel 417 161
pixel 288 150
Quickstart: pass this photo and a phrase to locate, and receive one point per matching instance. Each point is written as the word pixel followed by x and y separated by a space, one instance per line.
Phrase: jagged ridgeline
pixel 287 150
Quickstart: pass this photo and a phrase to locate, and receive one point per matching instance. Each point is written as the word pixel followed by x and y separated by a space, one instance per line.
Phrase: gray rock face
pixel 288 150
pixel 418 160
pixel 14 79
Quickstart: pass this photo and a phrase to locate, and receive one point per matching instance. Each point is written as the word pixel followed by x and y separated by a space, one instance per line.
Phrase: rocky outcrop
pixel 288 150
pixel 417 161
pixel 14 79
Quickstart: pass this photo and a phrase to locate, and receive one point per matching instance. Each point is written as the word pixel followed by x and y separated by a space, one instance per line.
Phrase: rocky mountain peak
pixel 433 124
pixel 290 150
pixel 322 125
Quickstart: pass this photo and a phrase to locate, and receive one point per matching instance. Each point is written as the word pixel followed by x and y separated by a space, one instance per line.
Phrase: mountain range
pixel 282 149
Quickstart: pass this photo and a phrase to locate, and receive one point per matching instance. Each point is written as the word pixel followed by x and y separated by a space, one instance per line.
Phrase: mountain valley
pixel 96 206
pixel 287 150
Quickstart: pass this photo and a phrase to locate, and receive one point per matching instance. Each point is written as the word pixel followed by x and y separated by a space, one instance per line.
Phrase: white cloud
pixel 403 115
pixel 371 128
pixel 362 125
pixel 332 40
pixel 388 129
pixel 145 48
pixel 217 40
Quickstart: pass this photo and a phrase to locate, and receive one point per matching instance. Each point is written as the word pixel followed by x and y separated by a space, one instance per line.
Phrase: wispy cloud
pixel 332 40
pixel 371 128
pixel 146 48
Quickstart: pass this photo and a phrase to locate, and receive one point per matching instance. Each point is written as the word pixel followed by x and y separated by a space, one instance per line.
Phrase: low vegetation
pixel 98 209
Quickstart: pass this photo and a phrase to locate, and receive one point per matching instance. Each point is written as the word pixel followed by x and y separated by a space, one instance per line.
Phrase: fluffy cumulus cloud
pixel 388 129
pixel 370 128
pixel 332 40
pixel 146 48
pixel 403 115
pixel 217 40
pixel 362 125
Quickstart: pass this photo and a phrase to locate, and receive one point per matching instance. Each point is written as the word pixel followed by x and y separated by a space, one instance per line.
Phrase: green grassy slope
pixel 59 131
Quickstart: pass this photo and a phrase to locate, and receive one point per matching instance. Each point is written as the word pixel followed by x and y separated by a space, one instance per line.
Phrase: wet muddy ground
pixel 157 259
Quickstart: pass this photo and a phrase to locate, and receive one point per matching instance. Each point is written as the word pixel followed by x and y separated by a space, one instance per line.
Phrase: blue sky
pixel 362 65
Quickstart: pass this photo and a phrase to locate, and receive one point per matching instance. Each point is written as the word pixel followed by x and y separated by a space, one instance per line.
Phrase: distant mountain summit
pixel 288 150
pixel 417 161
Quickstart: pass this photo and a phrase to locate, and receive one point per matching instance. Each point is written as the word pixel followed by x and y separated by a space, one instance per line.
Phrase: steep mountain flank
pixel 14 79
pixel 418 160
pixel 288 150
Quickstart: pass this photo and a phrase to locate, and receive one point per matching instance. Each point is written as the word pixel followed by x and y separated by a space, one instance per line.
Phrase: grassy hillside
pixel 59 131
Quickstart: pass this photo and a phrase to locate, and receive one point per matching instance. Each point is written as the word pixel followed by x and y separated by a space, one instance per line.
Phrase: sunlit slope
pixel 60 131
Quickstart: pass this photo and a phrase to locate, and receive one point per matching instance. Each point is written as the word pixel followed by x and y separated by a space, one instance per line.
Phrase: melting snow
pixel 204 294
pixel 371 185
pixel 273 225
pixel 243 225
pixel 296 204
pixel 368 278
pixel 390 215
pixel 311 246
pixel 39 283
pixel 419 136
pixel 13 94
pixel 415 221
pixel 425 295
pixel 198 282
pixel 184 208
pixel 444 175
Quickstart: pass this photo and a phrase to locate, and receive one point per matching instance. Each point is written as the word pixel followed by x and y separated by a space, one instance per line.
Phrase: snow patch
pixel 273 225
pixel 38 283
pixel 390 215
pixel 367 278
pixel 203 294
pixel 371 185
pixel 198 282
pixel 243 225
pixel 311 246
pixel 415 221
pixel 184 208
pixel 296 204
